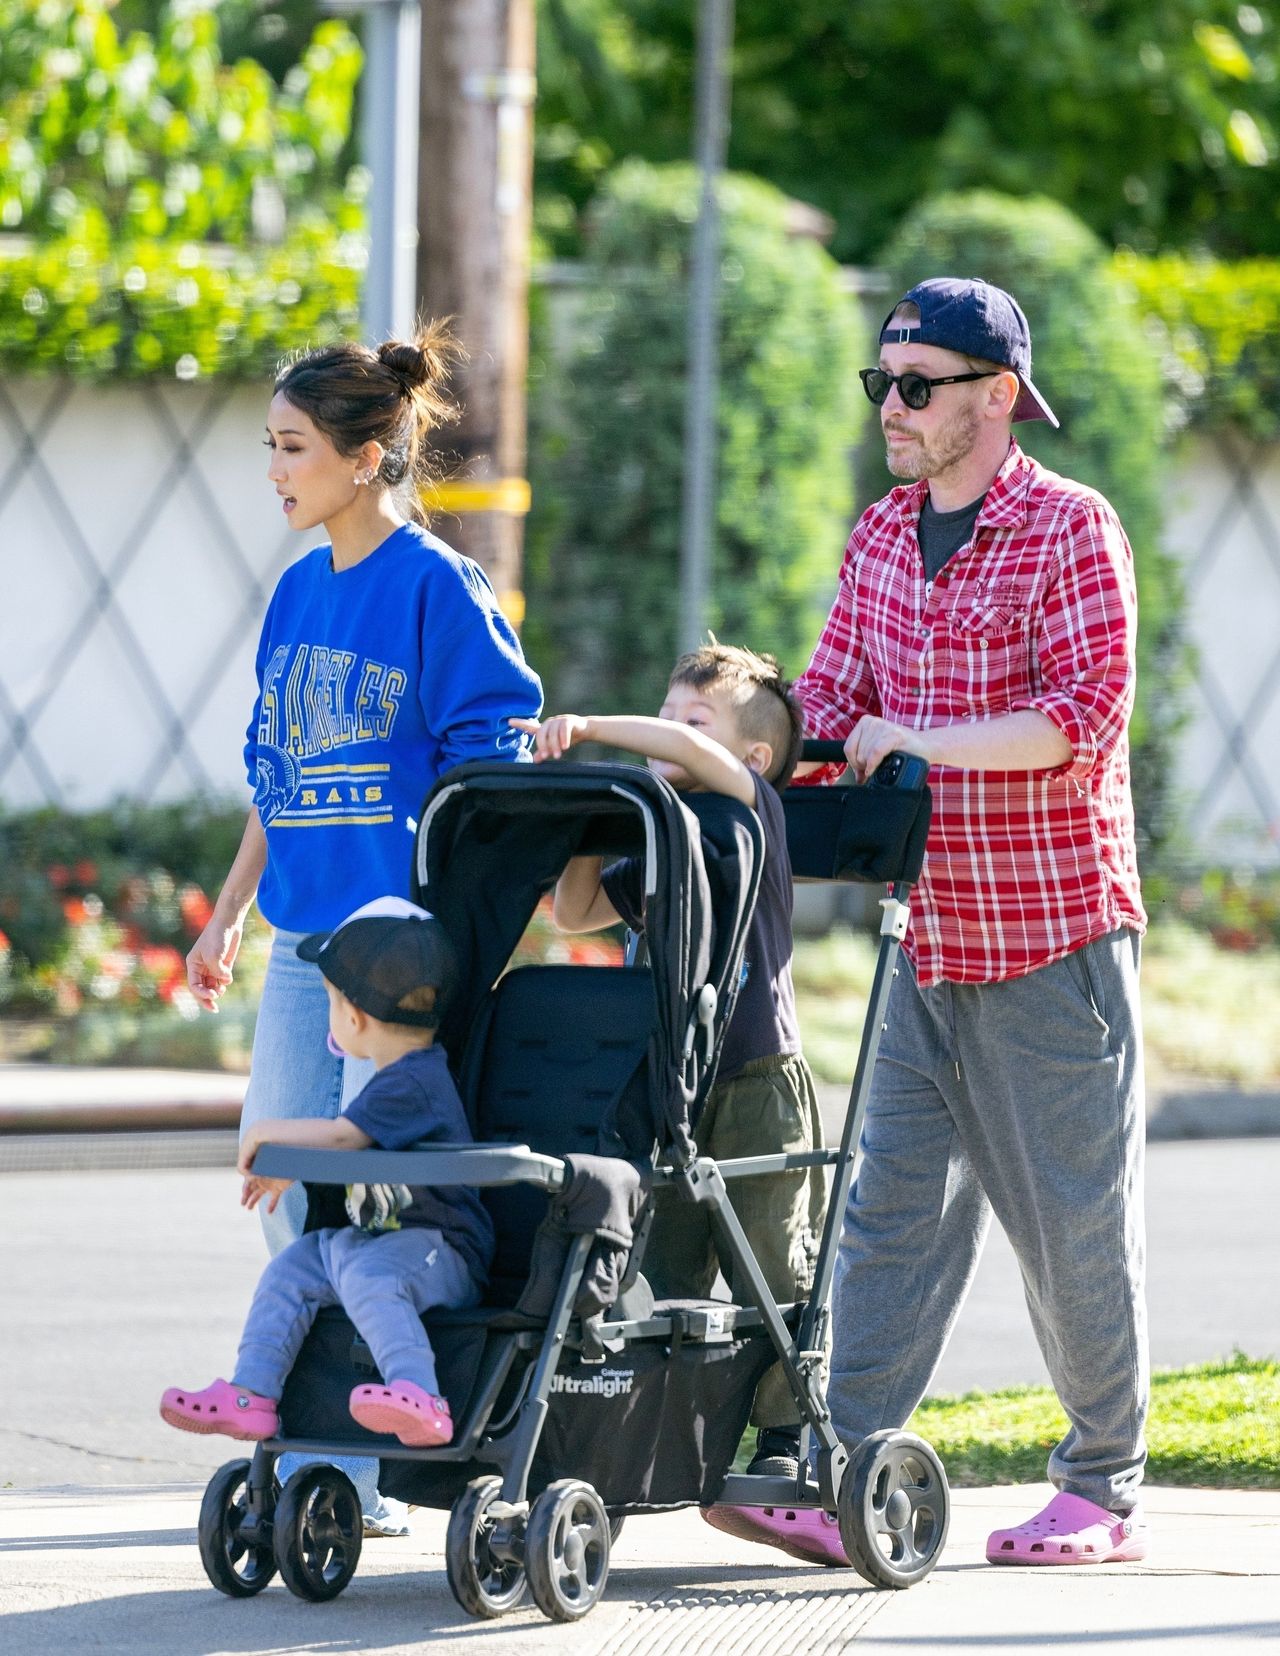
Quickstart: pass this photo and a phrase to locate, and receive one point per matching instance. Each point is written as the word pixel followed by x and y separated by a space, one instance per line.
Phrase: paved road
pixel 118 1284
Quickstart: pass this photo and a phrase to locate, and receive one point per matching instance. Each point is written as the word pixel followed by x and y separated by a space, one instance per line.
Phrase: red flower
pixel 195 908
pixel 58 876
pixel 74 910
pixel 85 872
pixel 4 944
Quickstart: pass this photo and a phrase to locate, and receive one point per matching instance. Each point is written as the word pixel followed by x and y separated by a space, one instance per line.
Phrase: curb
pixel 155 1116
pixel 99 1102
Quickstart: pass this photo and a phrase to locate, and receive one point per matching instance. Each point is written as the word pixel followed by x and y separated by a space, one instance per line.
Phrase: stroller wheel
pixel 894 1509
pixel 235 1564
pixel 483 1583
pixel 566 1550
pixel 319 1530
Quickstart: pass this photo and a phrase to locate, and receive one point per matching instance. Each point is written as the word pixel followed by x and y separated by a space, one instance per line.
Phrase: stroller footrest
pixel 743 1489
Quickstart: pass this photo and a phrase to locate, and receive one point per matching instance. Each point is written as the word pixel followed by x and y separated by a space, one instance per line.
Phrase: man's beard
pixel 923 457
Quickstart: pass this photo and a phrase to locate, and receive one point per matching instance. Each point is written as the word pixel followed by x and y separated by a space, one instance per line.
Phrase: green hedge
pixel 100 310
pixel 159 135
pixel 607 440
pixel 1219 335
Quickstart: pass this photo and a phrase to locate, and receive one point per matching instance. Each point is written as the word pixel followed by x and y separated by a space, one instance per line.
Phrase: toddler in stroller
pixel 388 969
pixel 576 1396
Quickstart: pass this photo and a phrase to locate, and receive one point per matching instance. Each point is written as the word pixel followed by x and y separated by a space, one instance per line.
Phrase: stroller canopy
pixel 492 840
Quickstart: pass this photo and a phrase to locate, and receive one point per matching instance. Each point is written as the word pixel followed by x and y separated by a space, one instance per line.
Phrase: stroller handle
pixel 827 753
pixel 454 1164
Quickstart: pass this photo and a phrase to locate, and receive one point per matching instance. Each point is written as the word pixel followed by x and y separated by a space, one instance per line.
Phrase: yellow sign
pixel 492 494
pixel 511 603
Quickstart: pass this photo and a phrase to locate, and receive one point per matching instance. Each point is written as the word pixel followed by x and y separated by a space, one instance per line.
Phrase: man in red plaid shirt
pixel 985 621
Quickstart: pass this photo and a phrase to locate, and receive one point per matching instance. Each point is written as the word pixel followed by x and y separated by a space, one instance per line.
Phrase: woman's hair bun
pixel 407 362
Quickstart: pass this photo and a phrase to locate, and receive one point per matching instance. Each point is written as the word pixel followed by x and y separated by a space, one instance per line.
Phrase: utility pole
pixel 388 102
pixel 701 418
pixel 474 218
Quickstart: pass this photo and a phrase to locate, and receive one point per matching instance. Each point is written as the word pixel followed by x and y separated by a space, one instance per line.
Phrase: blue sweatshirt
pixel 371 682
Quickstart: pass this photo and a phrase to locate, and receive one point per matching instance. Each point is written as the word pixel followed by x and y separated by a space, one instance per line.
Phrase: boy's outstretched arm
pixel 580 903
pixel 708 764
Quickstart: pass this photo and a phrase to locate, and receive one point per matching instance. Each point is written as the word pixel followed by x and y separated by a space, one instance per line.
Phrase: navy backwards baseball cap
pixel 965 314
pixel 382 952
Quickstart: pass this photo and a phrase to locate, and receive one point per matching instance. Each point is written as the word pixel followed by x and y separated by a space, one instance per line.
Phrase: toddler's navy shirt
pixel 412 1100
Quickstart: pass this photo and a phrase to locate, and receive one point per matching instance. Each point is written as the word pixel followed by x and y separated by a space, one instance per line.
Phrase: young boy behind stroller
pixel 729 724
pixel 388 969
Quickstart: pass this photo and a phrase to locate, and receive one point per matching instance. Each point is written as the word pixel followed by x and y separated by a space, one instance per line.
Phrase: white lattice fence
pixel 139 542
pixel 1224 523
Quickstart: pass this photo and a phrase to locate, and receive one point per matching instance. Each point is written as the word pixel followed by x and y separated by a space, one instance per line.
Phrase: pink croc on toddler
pixel 804 1532
pixel 1071 1530
pixel 221 1407
pixel 418 1418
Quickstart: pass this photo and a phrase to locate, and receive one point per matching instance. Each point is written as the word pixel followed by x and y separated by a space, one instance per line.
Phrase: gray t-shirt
pixel 942 534
pixel 764 1020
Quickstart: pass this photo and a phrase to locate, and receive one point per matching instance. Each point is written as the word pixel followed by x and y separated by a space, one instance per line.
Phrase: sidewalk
pixel 118 1570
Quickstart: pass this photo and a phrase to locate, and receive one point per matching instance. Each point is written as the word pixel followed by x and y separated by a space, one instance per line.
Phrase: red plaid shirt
pixel 1038 611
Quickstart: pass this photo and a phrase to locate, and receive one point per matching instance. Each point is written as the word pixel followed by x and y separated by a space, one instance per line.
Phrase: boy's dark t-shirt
pixel 415 1099
pixel 764 1020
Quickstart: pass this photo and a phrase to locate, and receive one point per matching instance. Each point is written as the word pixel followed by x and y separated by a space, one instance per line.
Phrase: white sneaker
pixel 389 1517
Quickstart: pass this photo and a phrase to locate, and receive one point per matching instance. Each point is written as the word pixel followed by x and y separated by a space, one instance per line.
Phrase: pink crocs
pixel 804 1532
pixel 221 1407
pixel 1071 1530
pixel 418 1418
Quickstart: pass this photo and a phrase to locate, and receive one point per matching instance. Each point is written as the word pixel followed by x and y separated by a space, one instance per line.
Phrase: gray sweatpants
pixel 384 1282
pixel 1023 1096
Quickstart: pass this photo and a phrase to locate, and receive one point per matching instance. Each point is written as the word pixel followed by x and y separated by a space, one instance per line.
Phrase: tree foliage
pixel 162 139
pixel 1154 121
pixel 177 214
pixel 608 441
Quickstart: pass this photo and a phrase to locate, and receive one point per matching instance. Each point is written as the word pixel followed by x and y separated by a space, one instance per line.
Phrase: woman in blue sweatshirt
pixel 384 660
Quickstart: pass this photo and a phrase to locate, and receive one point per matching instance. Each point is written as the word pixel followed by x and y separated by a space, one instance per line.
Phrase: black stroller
pixel 577 1399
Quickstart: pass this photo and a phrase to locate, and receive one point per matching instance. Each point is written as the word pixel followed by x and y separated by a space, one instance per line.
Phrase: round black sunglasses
pixel 914 389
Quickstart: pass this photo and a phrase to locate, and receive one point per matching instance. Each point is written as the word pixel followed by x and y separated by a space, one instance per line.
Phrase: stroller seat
pixel 553 1050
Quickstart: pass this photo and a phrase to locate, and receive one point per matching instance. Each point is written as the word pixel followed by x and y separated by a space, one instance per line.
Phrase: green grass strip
pixel 1212 1426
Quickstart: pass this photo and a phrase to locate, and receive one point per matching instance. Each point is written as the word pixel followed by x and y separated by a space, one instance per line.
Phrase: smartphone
pixel 900 770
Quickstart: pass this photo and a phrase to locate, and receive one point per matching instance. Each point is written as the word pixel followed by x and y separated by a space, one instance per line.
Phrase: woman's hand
pixel 211 958
pixel 552 738
pixel 213 953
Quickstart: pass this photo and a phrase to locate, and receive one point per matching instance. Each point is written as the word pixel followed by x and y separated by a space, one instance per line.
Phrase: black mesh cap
pixel 381 953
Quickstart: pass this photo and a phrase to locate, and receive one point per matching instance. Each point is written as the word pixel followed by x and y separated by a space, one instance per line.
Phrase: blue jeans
pixel 293 1073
